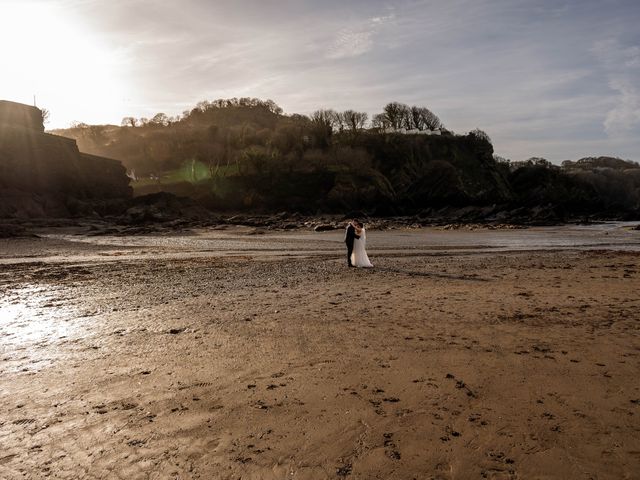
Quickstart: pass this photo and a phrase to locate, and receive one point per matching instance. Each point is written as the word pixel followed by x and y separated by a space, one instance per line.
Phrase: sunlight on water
pixel 609 236
pixel 31 315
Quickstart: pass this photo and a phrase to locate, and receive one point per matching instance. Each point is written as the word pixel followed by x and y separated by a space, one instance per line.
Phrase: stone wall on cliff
pixel 19 115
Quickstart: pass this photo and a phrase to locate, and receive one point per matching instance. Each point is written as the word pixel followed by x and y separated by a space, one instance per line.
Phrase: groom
pixel 349 237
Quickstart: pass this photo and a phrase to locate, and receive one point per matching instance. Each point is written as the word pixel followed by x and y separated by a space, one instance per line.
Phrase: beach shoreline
pixel 474 364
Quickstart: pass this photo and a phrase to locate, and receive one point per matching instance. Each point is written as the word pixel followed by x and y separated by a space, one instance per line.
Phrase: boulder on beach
pixel 324 227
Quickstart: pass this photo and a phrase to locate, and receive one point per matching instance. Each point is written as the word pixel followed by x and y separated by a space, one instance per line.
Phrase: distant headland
pixel 246 156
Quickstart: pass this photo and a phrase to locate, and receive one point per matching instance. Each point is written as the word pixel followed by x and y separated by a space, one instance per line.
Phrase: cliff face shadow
pixel 413 273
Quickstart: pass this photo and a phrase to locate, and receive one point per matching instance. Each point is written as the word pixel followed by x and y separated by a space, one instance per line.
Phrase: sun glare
pixel 31 314
pixel 47 52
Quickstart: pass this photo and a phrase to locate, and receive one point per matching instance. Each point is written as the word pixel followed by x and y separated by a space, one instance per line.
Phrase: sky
pixel 547 78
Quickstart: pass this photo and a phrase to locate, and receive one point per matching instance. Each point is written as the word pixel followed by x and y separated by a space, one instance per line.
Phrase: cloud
pixel 535 74
pixel 624 118
pixel 633 57
pixel 621 64
pixel 356 41
pixel 351 43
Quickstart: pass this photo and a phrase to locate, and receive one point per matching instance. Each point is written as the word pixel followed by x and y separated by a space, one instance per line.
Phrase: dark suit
pixel 349 237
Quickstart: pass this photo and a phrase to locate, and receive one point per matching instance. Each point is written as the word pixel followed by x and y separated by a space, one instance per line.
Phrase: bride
pixel 359 256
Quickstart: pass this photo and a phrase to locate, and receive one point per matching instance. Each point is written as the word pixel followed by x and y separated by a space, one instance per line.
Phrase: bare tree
pixel 424 119
pixel 324 121
pixel 45 115
pixel 397 114
pixel 380 121
pixel 80 125
pixel 203 105
pixel 405 117
pixel 352 120
pixel 273 107
pixel 129 122
pixel 327 119
pixel 339 122
pixel 160 119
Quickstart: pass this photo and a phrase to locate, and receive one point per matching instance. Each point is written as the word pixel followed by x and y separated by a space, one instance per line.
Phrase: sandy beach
pixel 240 354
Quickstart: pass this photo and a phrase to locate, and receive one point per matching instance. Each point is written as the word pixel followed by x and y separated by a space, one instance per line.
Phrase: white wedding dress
pixel 359 257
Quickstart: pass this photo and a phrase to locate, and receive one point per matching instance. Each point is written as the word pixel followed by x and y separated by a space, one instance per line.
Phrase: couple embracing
pixel 356 237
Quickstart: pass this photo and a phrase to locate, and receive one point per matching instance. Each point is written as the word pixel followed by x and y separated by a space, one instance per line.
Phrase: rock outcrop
pixel 21 116
pixel 41 174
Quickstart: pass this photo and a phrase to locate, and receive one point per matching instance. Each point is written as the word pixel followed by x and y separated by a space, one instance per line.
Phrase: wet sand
pixel 167 357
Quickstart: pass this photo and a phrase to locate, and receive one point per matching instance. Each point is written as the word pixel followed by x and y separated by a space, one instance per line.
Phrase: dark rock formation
pixel 163 207
pixel 40 174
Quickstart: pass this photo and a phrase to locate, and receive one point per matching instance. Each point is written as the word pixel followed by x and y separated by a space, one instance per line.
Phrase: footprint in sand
pixel 391 449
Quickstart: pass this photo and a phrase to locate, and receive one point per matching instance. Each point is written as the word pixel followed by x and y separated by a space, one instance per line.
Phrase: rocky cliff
pixel 42 174
pixel 20 115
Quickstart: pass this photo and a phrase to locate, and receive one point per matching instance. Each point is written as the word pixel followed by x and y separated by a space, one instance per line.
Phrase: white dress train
pixel 359 257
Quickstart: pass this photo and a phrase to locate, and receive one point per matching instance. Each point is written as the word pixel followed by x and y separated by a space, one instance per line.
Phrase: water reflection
pixel 31 315
pixel 608 236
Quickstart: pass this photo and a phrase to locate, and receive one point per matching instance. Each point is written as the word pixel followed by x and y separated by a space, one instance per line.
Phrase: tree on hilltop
pixel 424 119
pixel 160 119
pixel 129 122
pixel 45 115
pixel 324 121
pixel 397 115
pixel 480 135
pixel 352 120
